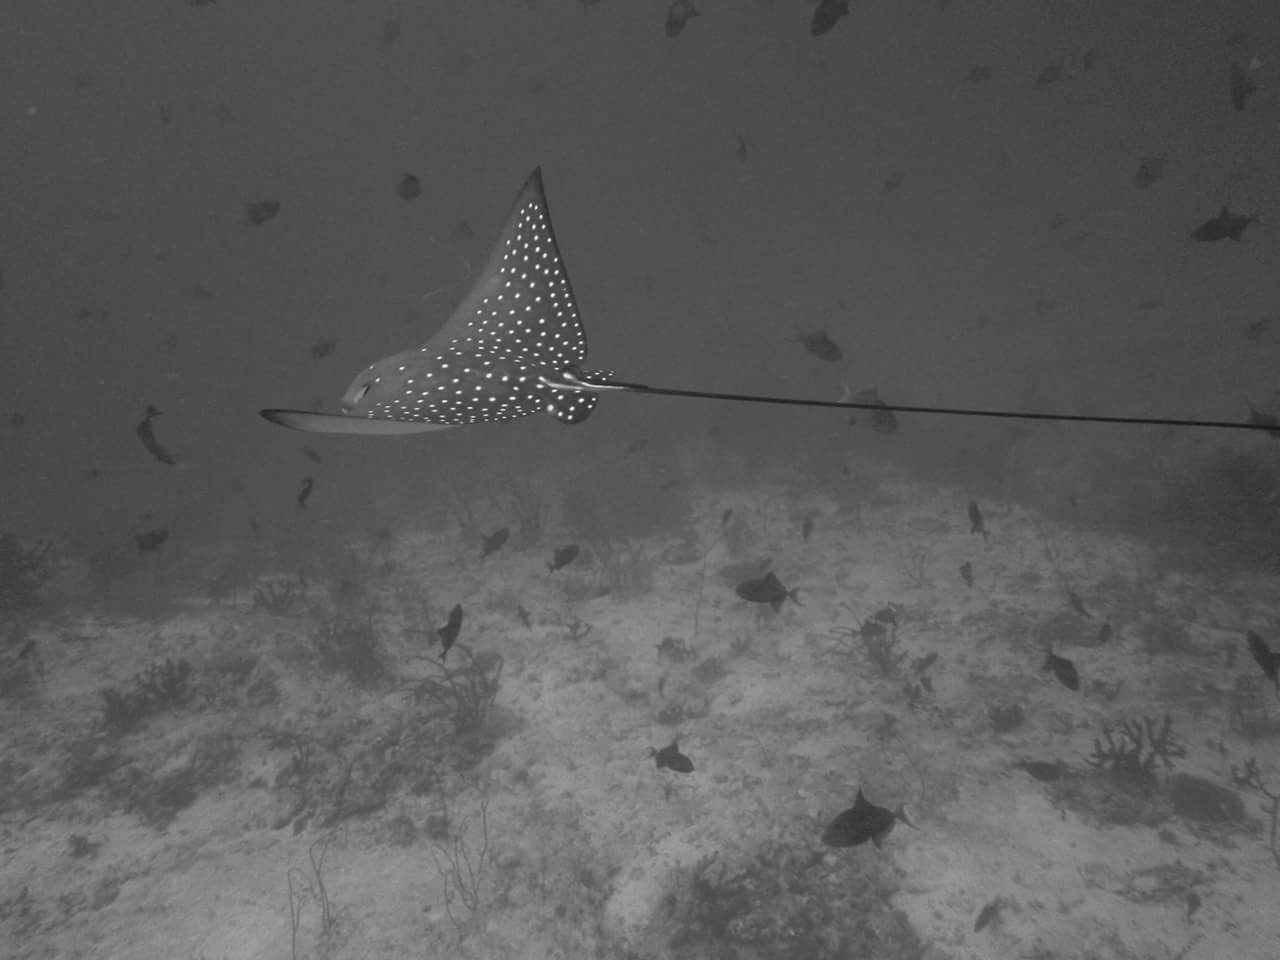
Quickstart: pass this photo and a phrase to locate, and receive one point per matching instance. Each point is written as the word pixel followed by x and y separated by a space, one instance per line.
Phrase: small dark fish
pixel 744 151
pixel 494 542
pixel 312 454
pixel 966 573
pixel 670 758
pixel 304 492
pixel 821 346
pixel 1150 169
pixel 562 557
pixel 1063 669
pixel 1052 73
pixel 27 650
pixel 449 632
pixel 1266 420
pixel 1193 903
pixel 827 15
pixel 390 31
pixel 146 433
pixel 979 73
pixel 1089 58
pixel 882 419
pixel 976 523
pixel 806 528
pixel 924 663
pixel 1077 604
pixel 767 589
pixel 260 211
pixel 678 15
pixel 1264 657
pixel 1104 633
pixel 1042 769
pixel 323 347
pixel 524 617
pixel 862 822
pixel 725 518
pixel 1242 86
pixel 409 187
pixel 988 915
pixel 151 540
pixel 1225 226
pixel 1258 328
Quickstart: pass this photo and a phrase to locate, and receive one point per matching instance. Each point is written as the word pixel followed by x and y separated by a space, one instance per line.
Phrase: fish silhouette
pixel 1266 659
pixel 515 346
pixel 1063 669
pixel 670 758
pixel 862 822
pixel 494 542
pixel 449 632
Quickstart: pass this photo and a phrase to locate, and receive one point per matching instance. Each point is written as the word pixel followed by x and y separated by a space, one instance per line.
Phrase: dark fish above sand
pixel 1265 420
pixel 976 523
pixel 1041 769
pixel 562 557
pixel 987 915
pixel 409 187
pixel 449 632
pixel 494 542
pixel 1242 86
pixel 821 346
pixel 1150 170
pixel 882 418
pixel 862 822
pixel 150 540
pixel 678 16
pixel 304 491
pixel 260 211
pixel 670 758
pixel 146 433
pixel 767 589
pixel 827 15
pixel 966 573
pixel 1225 226
pixel 1264 657
pixel 1062 669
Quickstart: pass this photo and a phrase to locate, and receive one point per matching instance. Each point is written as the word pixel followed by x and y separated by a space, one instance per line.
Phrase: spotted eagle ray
pixel 515 346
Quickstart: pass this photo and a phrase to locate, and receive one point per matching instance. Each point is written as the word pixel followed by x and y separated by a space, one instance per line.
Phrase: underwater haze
pixel 598 665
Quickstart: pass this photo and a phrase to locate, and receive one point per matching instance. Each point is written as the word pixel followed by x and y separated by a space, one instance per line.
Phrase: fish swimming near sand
pixel 767 589
pixel 449 632
pixel 1225 226
pixel 494 542
pixel 146 433
pixel 670 758
pixel 562 557
pixel 1063 670
pixel 1266 659
pixel 515 346
pixel 510 349
pixel 862 822
pixel 821 346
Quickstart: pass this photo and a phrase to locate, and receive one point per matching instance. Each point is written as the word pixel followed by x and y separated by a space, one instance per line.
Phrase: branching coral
pixel 466 692
pixel 1130 753
pixel 159 687
pixel 876 638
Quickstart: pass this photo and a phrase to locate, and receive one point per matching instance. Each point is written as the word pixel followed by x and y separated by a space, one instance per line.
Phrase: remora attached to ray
pixel 512 347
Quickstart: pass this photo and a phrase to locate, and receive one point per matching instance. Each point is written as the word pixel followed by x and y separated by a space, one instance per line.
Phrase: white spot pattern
pixel 503 361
